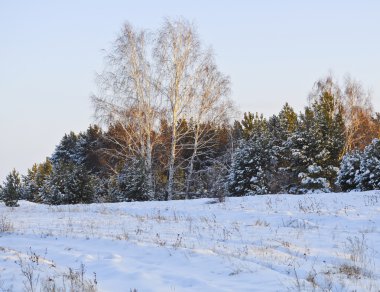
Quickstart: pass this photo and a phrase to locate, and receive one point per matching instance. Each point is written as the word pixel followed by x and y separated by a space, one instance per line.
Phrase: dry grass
pixel 350 271
pixel 5 224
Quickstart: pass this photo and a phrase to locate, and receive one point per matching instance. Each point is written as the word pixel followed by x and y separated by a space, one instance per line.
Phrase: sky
pixel 273 51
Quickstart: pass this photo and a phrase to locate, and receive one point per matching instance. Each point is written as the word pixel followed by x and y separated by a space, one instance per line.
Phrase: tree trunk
pixel 149 169
pixel 171 162
pixel 191 164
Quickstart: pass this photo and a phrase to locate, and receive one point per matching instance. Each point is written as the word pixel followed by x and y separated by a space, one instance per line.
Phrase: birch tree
pixel 177 52
pixel 127 96
pixel 358 111
pixel 191 85
pixel 210 108
pixel 154 77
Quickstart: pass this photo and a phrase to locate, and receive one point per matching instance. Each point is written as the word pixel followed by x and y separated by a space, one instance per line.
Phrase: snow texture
pixel 320 242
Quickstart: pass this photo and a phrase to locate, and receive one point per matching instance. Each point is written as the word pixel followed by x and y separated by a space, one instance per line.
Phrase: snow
pixel 259 243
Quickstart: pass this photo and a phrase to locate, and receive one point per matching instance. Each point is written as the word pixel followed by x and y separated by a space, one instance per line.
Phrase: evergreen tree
pixel 317 146
pixel 303 148
pixel 78 185
pixel 278 134
pixel 44 171
pixel 288 119
pixel 102 190
pixel 49 192
pixel 251 167
pixel 34 180
pixel 68 184
pixel 52 191
pixel 349 171
pixel 67 150
pixel 281 129
pixel 88 150
pixel 369 176
pixel 113 190
pixel 75 162
pixel 131 182
pixel 237 131
pixel 329 122
pixel 253 124
pixel 11 189
pixel 30 188
pixel 128 184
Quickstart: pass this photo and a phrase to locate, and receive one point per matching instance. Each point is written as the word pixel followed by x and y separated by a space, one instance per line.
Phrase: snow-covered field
pixel 322 242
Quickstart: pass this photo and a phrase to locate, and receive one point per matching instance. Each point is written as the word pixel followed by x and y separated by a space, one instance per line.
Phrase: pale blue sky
pixel 273 51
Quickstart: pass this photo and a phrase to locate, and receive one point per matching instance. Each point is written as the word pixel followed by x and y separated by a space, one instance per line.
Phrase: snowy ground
pixel 322 242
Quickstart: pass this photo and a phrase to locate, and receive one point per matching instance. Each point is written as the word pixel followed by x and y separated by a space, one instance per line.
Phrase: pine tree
pixel 88 150
pixel 30 188
pixel 78 185
pixel 66 151
pixel 349 171
pixel 282 128
pixel 11 189
pixel 251 167
pixel 34 180
pixel 253 124
pixel 75 161
pixel 102 190
pixel 303 148
pixel 369 176
pixel 329 121
pixel 279 177
pixel 113 191
pixel 247 173
pixel 288 119
pixel 131 182
pixel 52 191
pixel 68 184
pixel 317 146
pixel 44 171
pixel 237 131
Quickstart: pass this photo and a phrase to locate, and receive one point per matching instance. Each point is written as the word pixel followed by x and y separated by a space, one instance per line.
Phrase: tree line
pixel 306 152
pixel 164 131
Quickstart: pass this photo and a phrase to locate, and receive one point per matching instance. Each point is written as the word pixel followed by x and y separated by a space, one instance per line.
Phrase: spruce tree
pixel 11 189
